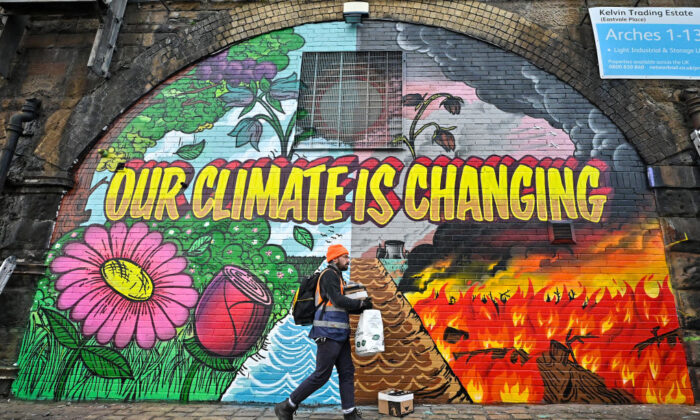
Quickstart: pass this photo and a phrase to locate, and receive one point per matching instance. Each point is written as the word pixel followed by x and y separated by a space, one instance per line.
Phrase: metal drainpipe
pixel 14 130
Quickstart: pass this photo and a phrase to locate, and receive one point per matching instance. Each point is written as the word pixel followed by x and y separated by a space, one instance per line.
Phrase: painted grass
pixel 159 373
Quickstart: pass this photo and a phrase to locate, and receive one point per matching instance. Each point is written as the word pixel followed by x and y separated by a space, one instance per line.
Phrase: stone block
pixel 678 202
pixel 681 234
pixel 694 373
pixel 685 270
pixel 688 308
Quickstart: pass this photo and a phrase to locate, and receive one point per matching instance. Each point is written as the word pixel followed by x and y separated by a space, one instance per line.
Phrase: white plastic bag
pixel 369 336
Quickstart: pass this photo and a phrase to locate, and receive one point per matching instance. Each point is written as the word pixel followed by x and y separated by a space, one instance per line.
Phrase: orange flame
pixel 613 326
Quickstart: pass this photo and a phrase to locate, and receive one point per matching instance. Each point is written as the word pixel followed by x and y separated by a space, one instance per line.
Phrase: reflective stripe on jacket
pixel 330 321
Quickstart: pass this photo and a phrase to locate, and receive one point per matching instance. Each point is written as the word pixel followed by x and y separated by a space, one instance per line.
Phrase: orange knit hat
pixel 335 251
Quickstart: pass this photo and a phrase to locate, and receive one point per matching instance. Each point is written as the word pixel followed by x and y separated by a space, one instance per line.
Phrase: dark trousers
pixel 330 353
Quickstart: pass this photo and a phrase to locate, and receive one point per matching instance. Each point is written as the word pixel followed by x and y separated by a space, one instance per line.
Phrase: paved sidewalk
pixel 14 409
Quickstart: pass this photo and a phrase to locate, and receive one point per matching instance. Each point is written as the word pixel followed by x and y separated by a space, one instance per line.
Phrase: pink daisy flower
pixel 124 283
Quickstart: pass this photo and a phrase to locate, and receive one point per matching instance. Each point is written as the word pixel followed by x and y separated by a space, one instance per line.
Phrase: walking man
pixel 331 332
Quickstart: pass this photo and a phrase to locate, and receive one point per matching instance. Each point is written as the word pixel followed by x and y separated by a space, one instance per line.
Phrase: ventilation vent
pixel 350 100
pixel 562 232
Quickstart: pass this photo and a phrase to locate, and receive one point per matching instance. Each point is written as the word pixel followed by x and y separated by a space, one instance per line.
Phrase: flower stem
pixel 421 110
pixel 420 130
pixel 410 147
pixel 63 376
pixel 189 380
pixel 275 123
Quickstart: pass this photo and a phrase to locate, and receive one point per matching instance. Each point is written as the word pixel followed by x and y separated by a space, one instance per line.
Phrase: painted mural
pixel 175 258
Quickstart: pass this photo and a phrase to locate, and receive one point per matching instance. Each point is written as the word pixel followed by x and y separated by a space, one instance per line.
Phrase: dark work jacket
pixel 333 322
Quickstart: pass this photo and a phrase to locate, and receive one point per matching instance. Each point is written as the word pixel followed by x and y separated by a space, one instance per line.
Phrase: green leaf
pixel 277 105
pixel 191 151
pixel 62 329
pixel 106 362
pixel 225 364
pixel 247 109
pixel 302 113
pixel 265 85
pixel 303 236
pixel 199 246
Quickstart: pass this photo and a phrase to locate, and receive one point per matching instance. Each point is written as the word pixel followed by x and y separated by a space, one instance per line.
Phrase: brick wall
pixel 524 101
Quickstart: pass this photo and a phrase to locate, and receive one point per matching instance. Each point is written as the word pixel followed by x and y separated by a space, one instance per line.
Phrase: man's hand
pixel 366 304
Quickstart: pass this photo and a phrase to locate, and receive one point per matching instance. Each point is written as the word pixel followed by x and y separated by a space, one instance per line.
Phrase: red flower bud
pixel 232 312
pixel 453 104
pixel 445 139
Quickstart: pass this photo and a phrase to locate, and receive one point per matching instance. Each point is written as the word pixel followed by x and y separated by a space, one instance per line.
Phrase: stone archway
pixel 624 104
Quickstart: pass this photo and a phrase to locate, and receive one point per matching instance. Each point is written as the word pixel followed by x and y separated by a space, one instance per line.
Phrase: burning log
pixel 671 337
pixel 566 381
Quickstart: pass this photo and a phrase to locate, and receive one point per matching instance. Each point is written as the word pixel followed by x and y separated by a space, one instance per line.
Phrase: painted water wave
pixel 290 357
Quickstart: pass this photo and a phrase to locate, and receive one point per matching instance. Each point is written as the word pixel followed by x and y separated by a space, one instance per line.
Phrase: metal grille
pixel 350 99
pixel 562 232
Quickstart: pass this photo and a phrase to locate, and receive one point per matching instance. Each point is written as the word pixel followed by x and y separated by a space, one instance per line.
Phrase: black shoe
pixel 353 415
pixel 284 410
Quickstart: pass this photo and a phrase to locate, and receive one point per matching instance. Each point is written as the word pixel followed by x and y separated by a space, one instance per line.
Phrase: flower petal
pixel 164 326
pixel 71 277
pixel 125 331
pixel 177 313
pixel 186 297
pixel 136 234
pixel 168 268
pixel 99 315
pixel 159 256
pixel 88 296
pixel 142 252
pixel 63 264
pixel 109 328
pixel 97 238
pixel 145 331
pixel 179 280
pixel 83 252
pixel 117 236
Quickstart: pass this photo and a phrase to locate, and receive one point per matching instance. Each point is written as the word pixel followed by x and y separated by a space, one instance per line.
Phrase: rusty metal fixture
pixel 14 131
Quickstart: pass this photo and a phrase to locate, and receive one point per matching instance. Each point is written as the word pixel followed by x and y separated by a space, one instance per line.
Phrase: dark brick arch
pixel 620 100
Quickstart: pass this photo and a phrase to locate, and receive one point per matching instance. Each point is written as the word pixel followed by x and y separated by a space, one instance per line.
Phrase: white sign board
pixel 647 42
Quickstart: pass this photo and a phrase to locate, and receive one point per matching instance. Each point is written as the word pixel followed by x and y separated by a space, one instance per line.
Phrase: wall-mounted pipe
pixel 14 130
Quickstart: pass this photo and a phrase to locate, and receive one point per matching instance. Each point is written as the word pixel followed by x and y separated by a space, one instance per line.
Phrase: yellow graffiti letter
pixel 315 175
pixel 168 191
pixel 238 192
pixel 589 175
pixel 438 194
pixel 360 195
pixel 495 190
pixel 148 183
pixel 292 196
pixel 385 173
pixel 522 177
pixel 261 194
pixel 417 177
pixel 541 194
pixel 333 191
pixel 469 200
pixel 126 176
pixel 206 178
pixel 561 194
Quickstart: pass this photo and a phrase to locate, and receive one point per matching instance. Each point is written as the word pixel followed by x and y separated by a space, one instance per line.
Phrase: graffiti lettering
pixel 317 192
pixel 443 190
pixel 161 184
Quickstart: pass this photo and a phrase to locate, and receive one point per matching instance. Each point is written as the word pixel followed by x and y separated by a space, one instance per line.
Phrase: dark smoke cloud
pixel 514 85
